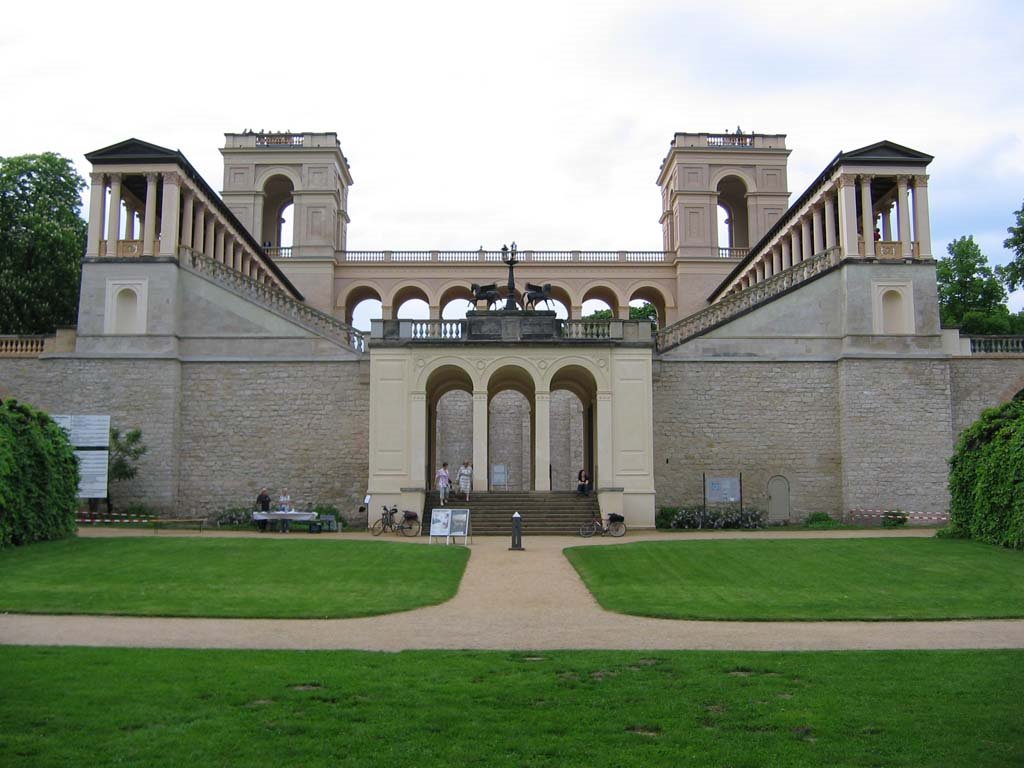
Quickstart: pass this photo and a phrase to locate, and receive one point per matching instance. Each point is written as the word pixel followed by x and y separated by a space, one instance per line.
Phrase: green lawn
pixel 243 578
pixel 868 579
pixel 106 707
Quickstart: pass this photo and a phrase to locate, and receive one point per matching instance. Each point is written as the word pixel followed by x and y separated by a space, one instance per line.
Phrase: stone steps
pixel 554 513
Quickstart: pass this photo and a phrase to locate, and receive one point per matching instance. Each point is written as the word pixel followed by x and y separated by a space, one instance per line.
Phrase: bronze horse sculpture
pixel 536 294
pixel 488 293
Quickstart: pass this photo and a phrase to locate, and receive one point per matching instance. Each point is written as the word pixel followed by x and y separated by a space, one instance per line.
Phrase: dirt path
pixel 516 600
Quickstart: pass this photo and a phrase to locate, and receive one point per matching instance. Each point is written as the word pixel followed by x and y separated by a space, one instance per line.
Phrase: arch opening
pixel 573 422
pixel 449 395
pixel 278 194
pixel 732 198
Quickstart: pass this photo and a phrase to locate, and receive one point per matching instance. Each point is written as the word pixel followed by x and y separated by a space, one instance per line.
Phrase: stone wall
pixel 304 426
pixel 758 419
pixel 566 439
pixel 978 383
pixel 896 427
pixel 136 393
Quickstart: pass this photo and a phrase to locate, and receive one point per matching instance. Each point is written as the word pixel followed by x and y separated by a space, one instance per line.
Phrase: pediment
pixel 132 150
pixel 885 152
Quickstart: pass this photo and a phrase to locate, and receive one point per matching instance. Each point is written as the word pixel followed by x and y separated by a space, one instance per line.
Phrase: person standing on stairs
pixel 465 480
pixel 443 482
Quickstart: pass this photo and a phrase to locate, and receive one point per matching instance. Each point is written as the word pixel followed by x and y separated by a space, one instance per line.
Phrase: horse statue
pixel 488 293
pixel 536 294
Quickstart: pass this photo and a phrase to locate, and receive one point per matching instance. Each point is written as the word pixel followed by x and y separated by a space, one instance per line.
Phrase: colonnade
pixel 188 218
pixel 829 219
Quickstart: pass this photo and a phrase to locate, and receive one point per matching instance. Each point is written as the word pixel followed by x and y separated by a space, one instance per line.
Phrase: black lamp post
pixel 509 257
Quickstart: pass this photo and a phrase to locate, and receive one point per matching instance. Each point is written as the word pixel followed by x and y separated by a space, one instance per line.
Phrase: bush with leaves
pixel 986 475
pixel 38 477
pixel 329 510
pixel 821 521
pixel 715 517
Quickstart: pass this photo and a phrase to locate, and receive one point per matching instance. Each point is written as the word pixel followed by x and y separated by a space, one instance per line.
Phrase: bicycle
pixel 409 525
pixel 616 527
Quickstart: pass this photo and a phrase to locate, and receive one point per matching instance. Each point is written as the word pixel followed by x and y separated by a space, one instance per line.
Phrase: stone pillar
pixel 605 441
pixel 188 212
pixel 806 246
pixel 848 215
pixel 433 312
pixel 922 226
pixel 149 233
pixel 867 217
pixel 129 222
pixel 542 441
pixel 787 253
pixel 887 222
pixel 169 235
pixel 208 235
pixel 114 215
pixel 481 471
pixel 97 207
pixel 575 311
pixel 418 441
pixel 794 244
pixel 903 215
pixel 818 230
pixel 776 259
pixel 830 220
pixel 199 228
pixel 623 312
pixel 218 245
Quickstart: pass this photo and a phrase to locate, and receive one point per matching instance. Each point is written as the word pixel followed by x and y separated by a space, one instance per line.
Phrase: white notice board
pixel 460 523
pixel 440 522
pixel 87 431
pixel 92 470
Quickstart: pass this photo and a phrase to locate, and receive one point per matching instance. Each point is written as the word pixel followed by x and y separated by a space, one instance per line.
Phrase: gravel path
pixel 515 600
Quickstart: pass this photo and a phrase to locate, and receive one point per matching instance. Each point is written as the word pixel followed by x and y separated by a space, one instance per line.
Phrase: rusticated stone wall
pixel 136 393
pixel 303 426
pixel 758 419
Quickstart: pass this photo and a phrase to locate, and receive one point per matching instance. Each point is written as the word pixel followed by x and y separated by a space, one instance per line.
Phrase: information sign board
pixel 92 469
pixel 722 490
pixel 86 431
pixel 460 522
pixel 440 522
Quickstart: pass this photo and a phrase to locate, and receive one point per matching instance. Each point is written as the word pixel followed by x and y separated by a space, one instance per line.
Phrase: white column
pixel 542 441
pixel 208 244
pixel 114 215
pixel 787 253
pixel 97 207
pixel 776 259
pixel 794 242
pixel 129 222
pixel 887 222
pixel 169 234
pixel 903 215
pixel 753 228
pixel 922 226
pixel 817 229
pixel 418 441
pixel 218 247
pixel 605 442
pixel 481 471
pixel 867 216
pixel 149 236
pixel 848 215
pixel 199 227
pixel 806 249
pixel 830 220
pixel 186 219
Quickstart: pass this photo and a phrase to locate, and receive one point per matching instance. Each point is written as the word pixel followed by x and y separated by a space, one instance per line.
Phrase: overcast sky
pixel 477 123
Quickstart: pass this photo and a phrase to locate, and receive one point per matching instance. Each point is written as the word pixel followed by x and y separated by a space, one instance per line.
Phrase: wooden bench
pixel 159 522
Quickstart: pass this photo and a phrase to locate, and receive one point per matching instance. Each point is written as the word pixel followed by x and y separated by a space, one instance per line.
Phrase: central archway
pixel 449 395
pixel 511 395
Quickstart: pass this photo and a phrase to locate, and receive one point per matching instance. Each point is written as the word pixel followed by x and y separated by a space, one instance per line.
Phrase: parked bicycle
pixel 409 525
pixel 616 527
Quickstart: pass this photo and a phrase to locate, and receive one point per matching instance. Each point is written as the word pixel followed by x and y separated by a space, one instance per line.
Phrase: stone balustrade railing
pixel 733 253
pixel 735 303
pixel 279 253
pixel 273 298
pixel 589 329
pixel 997 345
pixel 546 257
pixel 280 139
pixel 438 330
pixel 21 346
pixel 520 327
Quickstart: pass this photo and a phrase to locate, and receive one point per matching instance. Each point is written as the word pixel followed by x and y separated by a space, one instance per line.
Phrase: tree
pixel 970 295
pixel 645 311
pixel 125 451
pixel 42 240
pixel 1013 273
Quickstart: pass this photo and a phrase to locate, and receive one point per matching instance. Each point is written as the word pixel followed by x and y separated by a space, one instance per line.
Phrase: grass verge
pixel 809 579
pixel 106 707
pixel 228 578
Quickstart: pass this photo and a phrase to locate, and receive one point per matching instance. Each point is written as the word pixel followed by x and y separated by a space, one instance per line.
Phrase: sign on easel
pixel 449 523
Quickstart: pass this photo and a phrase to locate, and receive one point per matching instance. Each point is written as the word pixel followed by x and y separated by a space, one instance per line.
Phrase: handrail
pixel 546 257
pixel 273 298
pixel 997 345
pixel 22 345
pixel 735 303
pixel 280 139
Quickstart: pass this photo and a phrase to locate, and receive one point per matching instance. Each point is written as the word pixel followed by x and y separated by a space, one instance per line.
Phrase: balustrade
pixel 21 346
pixel 733 253
pixel 545 257
pixel 280 139
pixel 997 345
pixel 586 329
pixel 279 253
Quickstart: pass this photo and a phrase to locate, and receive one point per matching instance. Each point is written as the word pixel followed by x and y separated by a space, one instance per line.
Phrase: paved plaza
pixel 514 600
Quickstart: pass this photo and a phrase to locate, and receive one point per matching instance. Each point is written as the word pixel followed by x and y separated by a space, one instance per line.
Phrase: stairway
pixel 544 513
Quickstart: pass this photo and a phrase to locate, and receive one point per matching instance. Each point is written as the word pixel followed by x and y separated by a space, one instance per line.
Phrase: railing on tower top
pixel 735 303
pixel 279 139
pixel 730 140
pixel 546 257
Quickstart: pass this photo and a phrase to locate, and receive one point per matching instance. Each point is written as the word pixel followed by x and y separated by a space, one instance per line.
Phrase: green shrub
pixel 949 532
pixel 38 477
pixel 714 517
pixel 894 518
pixel 230 516
pixel 329 510
pixel 986 475
pixel 821 521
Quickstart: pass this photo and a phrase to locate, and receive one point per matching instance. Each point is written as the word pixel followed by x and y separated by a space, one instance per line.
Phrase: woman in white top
pixel 465 479
pixel 284 504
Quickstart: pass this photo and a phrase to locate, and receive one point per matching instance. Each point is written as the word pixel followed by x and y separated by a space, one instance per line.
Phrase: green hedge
pixel 986 478
pixel 38 477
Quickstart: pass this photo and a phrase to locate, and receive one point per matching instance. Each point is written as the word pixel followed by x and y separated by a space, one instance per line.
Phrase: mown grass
pixel 155 708
pixel 238 578
pixel 856 579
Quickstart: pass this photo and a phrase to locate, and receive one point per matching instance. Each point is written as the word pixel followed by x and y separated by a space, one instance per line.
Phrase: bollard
pixel 517 533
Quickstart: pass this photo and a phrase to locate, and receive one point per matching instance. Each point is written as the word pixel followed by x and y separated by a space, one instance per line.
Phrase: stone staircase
pixel 544 513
